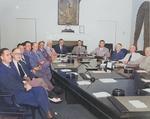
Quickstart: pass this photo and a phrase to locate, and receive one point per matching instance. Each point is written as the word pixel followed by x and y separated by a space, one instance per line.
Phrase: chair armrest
pixel 9 94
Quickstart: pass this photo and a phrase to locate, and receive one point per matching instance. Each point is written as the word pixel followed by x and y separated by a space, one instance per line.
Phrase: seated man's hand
pixel 33 71
pixel 27 78
pixel 125 62
pixel 27 86
pixel 40 67
pixel 42 62
pixel 37 68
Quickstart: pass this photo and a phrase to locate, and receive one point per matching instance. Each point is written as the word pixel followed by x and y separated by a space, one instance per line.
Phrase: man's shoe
pixel 53 97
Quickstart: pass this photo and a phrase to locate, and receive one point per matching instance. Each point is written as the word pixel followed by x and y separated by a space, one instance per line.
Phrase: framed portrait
pixel 68 12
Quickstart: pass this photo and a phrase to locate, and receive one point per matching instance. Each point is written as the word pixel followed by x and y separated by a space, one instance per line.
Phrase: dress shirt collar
pixel 42 50
pixel 118 51
pixel 6 64
pixel 34 51
pixel 147 58
pixel 101 48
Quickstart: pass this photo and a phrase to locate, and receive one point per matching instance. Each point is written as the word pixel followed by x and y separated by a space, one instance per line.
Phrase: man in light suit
pixel 61 48
pixel 79 49
pixel 101 50
pixel 44 52
pixel 37 65
pixel 132 56
pixel 50 50
pixel 24 93
pixel 23 71
pixel 144 61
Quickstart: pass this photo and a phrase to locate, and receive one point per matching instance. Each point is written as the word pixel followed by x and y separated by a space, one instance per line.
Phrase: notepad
pixel 146 80
pixel 141 71
pixel 56 61
pixel 108 80
pixel 61 65
pixel 137 104
pixel 83 82
pixel 65 70
pixel 147 90
pixel 99 72
pixel 101 94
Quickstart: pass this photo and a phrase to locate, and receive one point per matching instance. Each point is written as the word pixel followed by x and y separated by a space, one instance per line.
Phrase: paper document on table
pixel 101 94
pixel 147 90
pixel 83 82
pixel 146 80
pixel 120 65
pixel 56 61
pixel 61 65
pixel 75 73
pixel 65 70
pixel 141 71
pixel 109 65
pixel 87 76
pixel 99 72
pixel 137 104
pixel 108 80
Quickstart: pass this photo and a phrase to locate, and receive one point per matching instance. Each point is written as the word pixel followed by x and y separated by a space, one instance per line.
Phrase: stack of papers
pixel 61 65
pixel 101 94
pixel 65 70
pixel 108 80
pixel 137 104
pixel 83 82
pixel 147 90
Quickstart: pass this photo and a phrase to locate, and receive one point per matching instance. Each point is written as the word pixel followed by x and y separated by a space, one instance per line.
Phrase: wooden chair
pixel 14 110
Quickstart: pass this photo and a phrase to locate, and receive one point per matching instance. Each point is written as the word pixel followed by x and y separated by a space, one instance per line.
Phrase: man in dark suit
pixel 61 48
pixel 25 58
pixel 24 73
pixel 119 53
pixel 24 93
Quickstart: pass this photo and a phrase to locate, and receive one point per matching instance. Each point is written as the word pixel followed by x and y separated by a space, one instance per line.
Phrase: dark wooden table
pixel 103 108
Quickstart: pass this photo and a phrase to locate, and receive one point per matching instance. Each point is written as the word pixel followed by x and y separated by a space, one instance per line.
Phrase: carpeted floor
pixel 71 111
pixel 67 111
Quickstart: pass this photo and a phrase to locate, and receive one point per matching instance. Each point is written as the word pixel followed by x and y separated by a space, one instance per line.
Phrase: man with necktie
pixel 44 52
pixel 132 56
pixel 24 93
pixel 61 48
pixel 144 61
pixel 23 71
pixel 79 49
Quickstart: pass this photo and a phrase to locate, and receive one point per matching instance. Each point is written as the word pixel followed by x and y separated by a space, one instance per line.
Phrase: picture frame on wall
pixel 68 12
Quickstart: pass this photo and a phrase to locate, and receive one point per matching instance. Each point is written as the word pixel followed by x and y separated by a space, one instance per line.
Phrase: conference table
pixel 96 95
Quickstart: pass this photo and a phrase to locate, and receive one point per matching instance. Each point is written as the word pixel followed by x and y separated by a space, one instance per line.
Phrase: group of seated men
pixel 26 71
pixel 120 54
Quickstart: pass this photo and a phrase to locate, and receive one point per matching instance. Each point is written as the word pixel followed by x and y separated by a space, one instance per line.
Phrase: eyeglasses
pixel 17 53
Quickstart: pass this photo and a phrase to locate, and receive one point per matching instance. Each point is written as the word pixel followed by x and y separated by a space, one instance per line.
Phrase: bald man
pixel 144 61
pixel 132 56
